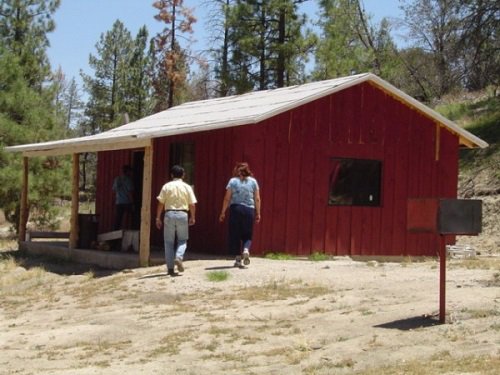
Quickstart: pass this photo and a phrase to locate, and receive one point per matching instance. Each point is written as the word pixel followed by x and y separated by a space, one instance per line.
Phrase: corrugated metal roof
pixel 224 112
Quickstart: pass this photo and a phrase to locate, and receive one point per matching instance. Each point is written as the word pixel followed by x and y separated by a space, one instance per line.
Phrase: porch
pixel 110 259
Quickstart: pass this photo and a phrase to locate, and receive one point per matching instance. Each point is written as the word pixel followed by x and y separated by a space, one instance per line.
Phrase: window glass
pixel 354 182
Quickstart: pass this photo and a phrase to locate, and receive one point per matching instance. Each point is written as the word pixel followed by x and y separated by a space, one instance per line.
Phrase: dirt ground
pixel 337 316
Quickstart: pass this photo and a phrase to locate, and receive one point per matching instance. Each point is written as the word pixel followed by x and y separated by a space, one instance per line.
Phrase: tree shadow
pixel 408 324
pixel 56 265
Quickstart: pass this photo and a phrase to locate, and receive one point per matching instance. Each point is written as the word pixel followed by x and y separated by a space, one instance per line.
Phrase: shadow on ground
pixel 411 323
pixel 55 265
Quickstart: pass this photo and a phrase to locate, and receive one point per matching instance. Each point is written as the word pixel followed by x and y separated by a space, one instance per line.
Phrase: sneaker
pixel 246 257
pixel 178 263
pixel 170 272
pixel 237 262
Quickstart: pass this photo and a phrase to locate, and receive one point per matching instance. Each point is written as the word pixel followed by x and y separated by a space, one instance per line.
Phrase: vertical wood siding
pixel 290 155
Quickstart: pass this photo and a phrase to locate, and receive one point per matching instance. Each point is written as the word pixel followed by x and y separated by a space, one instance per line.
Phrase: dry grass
pixel 282 290
pixel 441 363
pixel 483 263
pixel 160 319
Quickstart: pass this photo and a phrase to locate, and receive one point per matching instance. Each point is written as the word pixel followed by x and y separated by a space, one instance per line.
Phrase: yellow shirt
pixel 176 195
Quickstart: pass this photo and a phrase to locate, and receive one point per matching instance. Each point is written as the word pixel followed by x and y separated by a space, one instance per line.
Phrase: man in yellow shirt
pixel 178 200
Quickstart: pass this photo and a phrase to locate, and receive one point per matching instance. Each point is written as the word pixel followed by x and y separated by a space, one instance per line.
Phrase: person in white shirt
pixel 178 201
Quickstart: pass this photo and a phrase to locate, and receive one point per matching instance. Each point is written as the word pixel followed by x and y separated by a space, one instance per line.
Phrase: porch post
pixel 73 234
pixel 23 214
pixel 144 248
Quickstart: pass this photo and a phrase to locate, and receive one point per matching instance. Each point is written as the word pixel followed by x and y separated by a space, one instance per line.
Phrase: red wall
pixel 290 157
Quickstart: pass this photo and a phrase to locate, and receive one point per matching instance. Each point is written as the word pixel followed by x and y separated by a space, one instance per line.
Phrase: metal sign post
pixel 444 217
pixel 442 280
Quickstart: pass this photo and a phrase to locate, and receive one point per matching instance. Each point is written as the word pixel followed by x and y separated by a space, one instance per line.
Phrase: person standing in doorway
pixel 243 199
pixel 123 187
pixel 178 201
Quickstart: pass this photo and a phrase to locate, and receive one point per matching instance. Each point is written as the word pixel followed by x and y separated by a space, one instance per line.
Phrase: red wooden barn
pixel 337 162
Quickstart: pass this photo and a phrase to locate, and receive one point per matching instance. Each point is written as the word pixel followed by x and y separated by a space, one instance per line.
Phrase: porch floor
pixel 111 259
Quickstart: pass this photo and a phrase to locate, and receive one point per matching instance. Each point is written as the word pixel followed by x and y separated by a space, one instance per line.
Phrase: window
pixel 183 154
pixel 354 182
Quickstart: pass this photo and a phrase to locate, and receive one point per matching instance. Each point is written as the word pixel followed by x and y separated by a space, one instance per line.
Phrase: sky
pixel 80 23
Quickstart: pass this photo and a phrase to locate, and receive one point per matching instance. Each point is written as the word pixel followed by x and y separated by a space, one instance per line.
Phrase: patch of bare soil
pixel 274 317
pixel 488 241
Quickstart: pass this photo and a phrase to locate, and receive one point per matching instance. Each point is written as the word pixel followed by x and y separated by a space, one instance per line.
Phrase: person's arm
pixel 225 204
pixel 192 214
pixel 159 210
pixel 256 197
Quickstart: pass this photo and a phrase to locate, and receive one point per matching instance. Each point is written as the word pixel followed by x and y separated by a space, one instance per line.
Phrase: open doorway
pixel 138 171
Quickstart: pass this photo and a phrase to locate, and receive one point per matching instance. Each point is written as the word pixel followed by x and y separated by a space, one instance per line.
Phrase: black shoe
pixel 171 272
pixel 237 262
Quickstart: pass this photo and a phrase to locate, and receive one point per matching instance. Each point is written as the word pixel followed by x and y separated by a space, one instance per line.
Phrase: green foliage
pixel 107 88
pixel 265 45
pixel 23 31
pixel 317 257
pixel 138 89
pixel 459 39
pixel 481 117
pixel 27 112
pixel 217 276
pixel 279 256
pixel 352 43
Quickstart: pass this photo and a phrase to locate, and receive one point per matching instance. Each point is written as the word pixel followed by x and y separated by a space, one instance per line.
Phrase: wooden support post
pixel 144 247
pixel 23 214
pixel 75 202
pixel 442 280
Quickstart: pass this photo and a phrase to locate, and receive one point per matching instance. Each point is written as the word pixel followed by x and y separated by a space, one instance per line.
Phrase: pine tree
pixel 27 115
pixel 107 88
pixel 138 88
pixel 268 44
pixel 219 24
pixel 352 43
pixel 67 101
pixel 23 28
pixel 341 50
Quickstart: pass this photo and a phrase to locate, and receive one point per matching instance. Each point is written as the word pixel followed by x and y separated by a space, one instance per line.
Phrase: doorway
pixel 138 171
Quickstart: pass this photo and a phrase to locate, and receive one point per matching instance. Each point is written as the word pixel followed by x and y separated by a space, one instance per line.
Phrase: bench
pixel 30 235
pixel 460 251
pixel 129 239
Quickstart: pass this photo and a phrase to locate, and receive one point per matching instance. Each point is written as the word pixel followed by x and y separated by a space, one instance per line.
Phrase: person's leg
pixel 247 221
pixel 182 230
pixel 127 213
pixel 119 211
pixel 234 230
pixel 169 240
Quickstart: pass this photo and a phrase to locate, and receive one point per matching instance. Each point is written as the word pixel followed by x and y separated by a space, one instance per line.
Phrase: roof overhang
pixel 225 112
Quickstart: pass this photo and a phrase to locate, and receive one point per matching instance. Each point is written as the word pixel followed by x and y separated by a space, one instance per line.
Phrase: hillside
pixel 479 176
